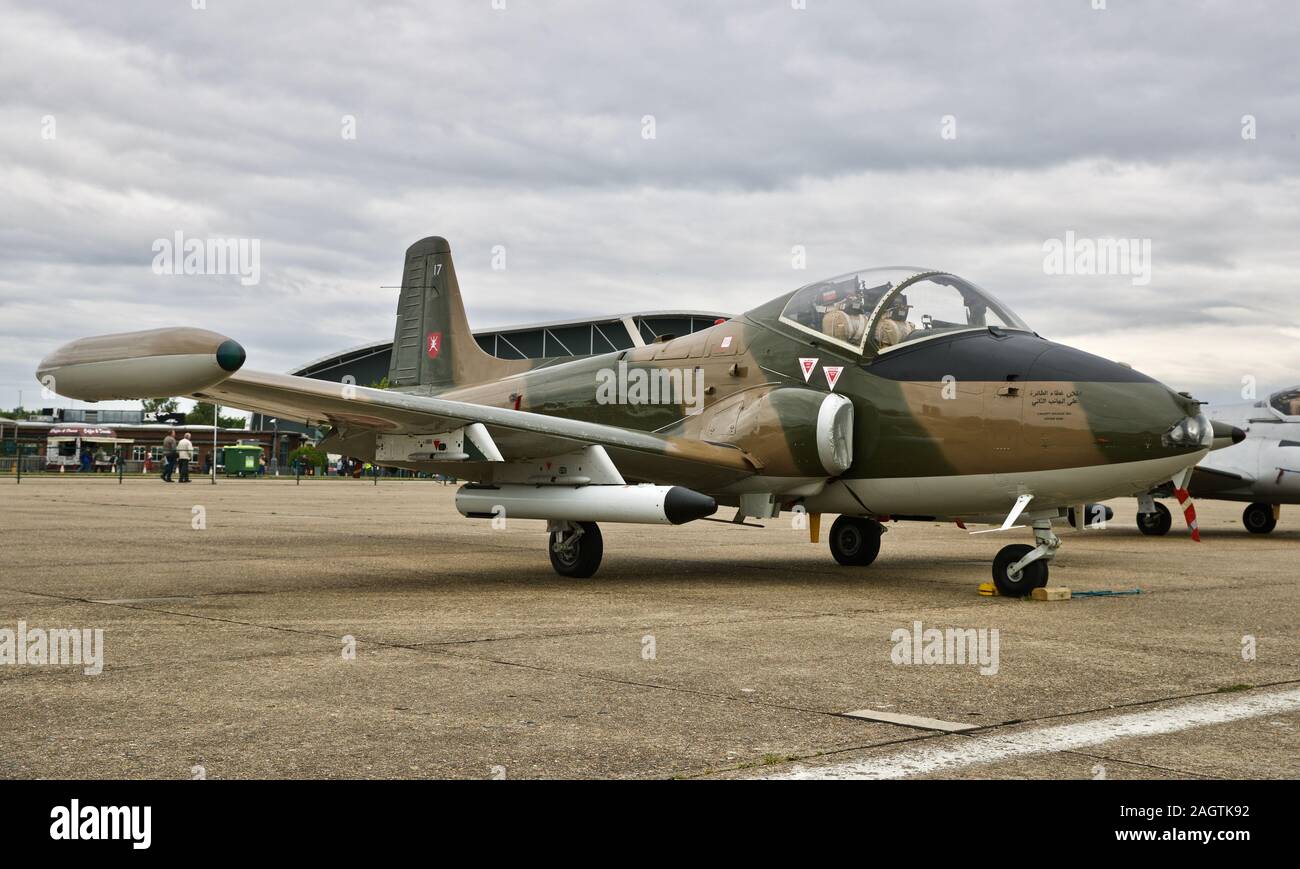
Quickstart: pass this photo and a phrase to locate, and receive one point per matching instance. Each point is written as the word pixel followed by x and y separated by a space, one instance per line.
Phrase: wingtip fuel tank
pixel 155 363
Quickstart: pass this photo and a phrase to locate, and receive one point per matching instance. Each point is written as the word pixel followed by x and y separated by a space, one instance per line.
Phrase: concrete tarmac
pixel 699 651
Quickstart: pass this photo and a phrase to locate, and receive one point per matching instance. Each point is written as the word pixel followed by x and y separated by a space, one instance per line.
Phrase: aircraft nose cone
pixel 230 355
pixel 1226 434
pixel 685 505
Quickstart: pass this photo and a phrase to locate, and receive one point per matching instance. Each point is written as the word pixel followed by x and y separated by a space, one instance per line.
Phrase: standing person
pixel 261 465
pixel 169 456
pixel 185 452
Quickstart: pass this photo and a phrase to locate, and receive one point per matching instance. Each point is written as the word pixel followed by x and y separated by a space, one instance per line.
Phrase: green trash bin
pixel 241 460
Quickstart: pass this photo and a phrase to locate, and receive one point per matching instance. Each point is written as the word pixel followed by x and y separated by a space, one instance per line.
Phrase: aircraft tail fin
pixel 432 343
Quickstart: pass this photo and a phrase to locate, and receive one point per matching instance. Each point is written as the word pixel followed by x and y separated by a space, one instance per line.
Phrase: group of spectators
pixel 98 461
pixel 177 454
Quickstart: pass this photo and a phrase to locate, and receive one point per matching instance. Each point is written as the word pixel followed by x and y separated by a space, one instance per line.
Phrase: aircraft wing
pixel 207 366
pixel 358 411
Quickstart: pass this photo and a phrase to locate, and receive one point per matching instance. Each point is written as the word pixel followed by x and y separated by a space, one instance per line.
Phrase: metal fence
pixel 14 469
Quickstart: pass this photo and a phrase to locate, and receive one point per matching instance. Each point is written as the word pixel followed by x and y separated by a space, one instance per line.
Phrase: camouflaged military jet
pixel 884 394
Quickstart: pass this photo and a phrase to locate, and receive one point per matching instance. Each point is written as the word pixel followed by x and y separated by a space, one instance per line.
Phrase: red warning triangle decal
pixel 808 366
pixel 832 373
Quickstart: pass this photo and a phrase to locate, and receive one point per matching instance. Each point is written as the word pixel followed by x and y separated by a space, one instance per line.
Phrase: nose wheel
pixel 1018 569
pixel 575 548
pixel 1011 582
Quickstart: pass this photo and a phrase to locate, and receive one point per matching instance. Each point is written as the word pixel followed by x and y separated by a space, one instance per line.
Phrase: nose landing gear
pixel 1019 569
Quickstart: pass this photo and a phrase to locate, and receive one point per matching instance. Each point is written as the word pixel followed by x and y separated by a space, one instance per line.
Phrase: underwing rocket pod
pixel 157 363
pixel 654 505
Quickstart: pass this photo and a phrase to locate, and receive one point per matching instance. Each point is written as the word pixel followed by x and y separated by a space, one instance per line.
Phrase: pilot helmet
pixel 899 307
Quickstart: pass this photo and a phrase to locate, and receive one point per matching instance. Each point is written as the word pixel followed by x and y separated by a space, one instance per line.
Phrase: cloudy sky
pixel 960 135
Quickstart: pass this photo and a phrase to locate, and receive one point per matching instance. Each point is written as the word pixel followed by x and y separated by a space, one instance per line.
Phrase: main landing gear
pixel 1260 518
pixel 1018 569
pixel 855 540
pixel 1157 522
pixel 575 548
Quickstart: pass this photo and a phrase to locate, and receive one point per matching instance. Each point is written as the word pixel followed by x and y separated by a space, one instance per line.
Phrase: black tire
pixel 1033 576
pixel 1258 518
pixel 855 541
pixel 582 558
pixel 1157 523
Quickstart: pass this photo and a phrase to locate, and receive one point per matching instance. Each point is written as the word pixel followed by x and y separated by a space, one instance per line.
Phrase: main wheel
pixel 855 541
pixel 1258 518
pixel 1034 574
pixel 1157 523
pixel 581 557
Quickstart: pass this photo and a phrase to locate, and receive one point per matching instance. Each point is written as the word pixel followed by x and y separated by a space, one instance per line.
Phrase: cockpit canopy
pixel 876 310
pixel 1286 402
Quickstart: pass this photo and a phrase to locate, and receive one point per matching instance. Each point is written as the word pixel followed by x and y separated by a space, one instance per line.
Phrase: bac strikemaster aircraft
pixel 1262 467
pixel 896 393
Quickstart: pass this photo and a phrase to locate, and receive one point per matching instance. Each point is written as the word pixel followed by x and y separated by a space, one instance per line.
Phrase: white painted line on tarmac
pixel 911 720
pixel 973 750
